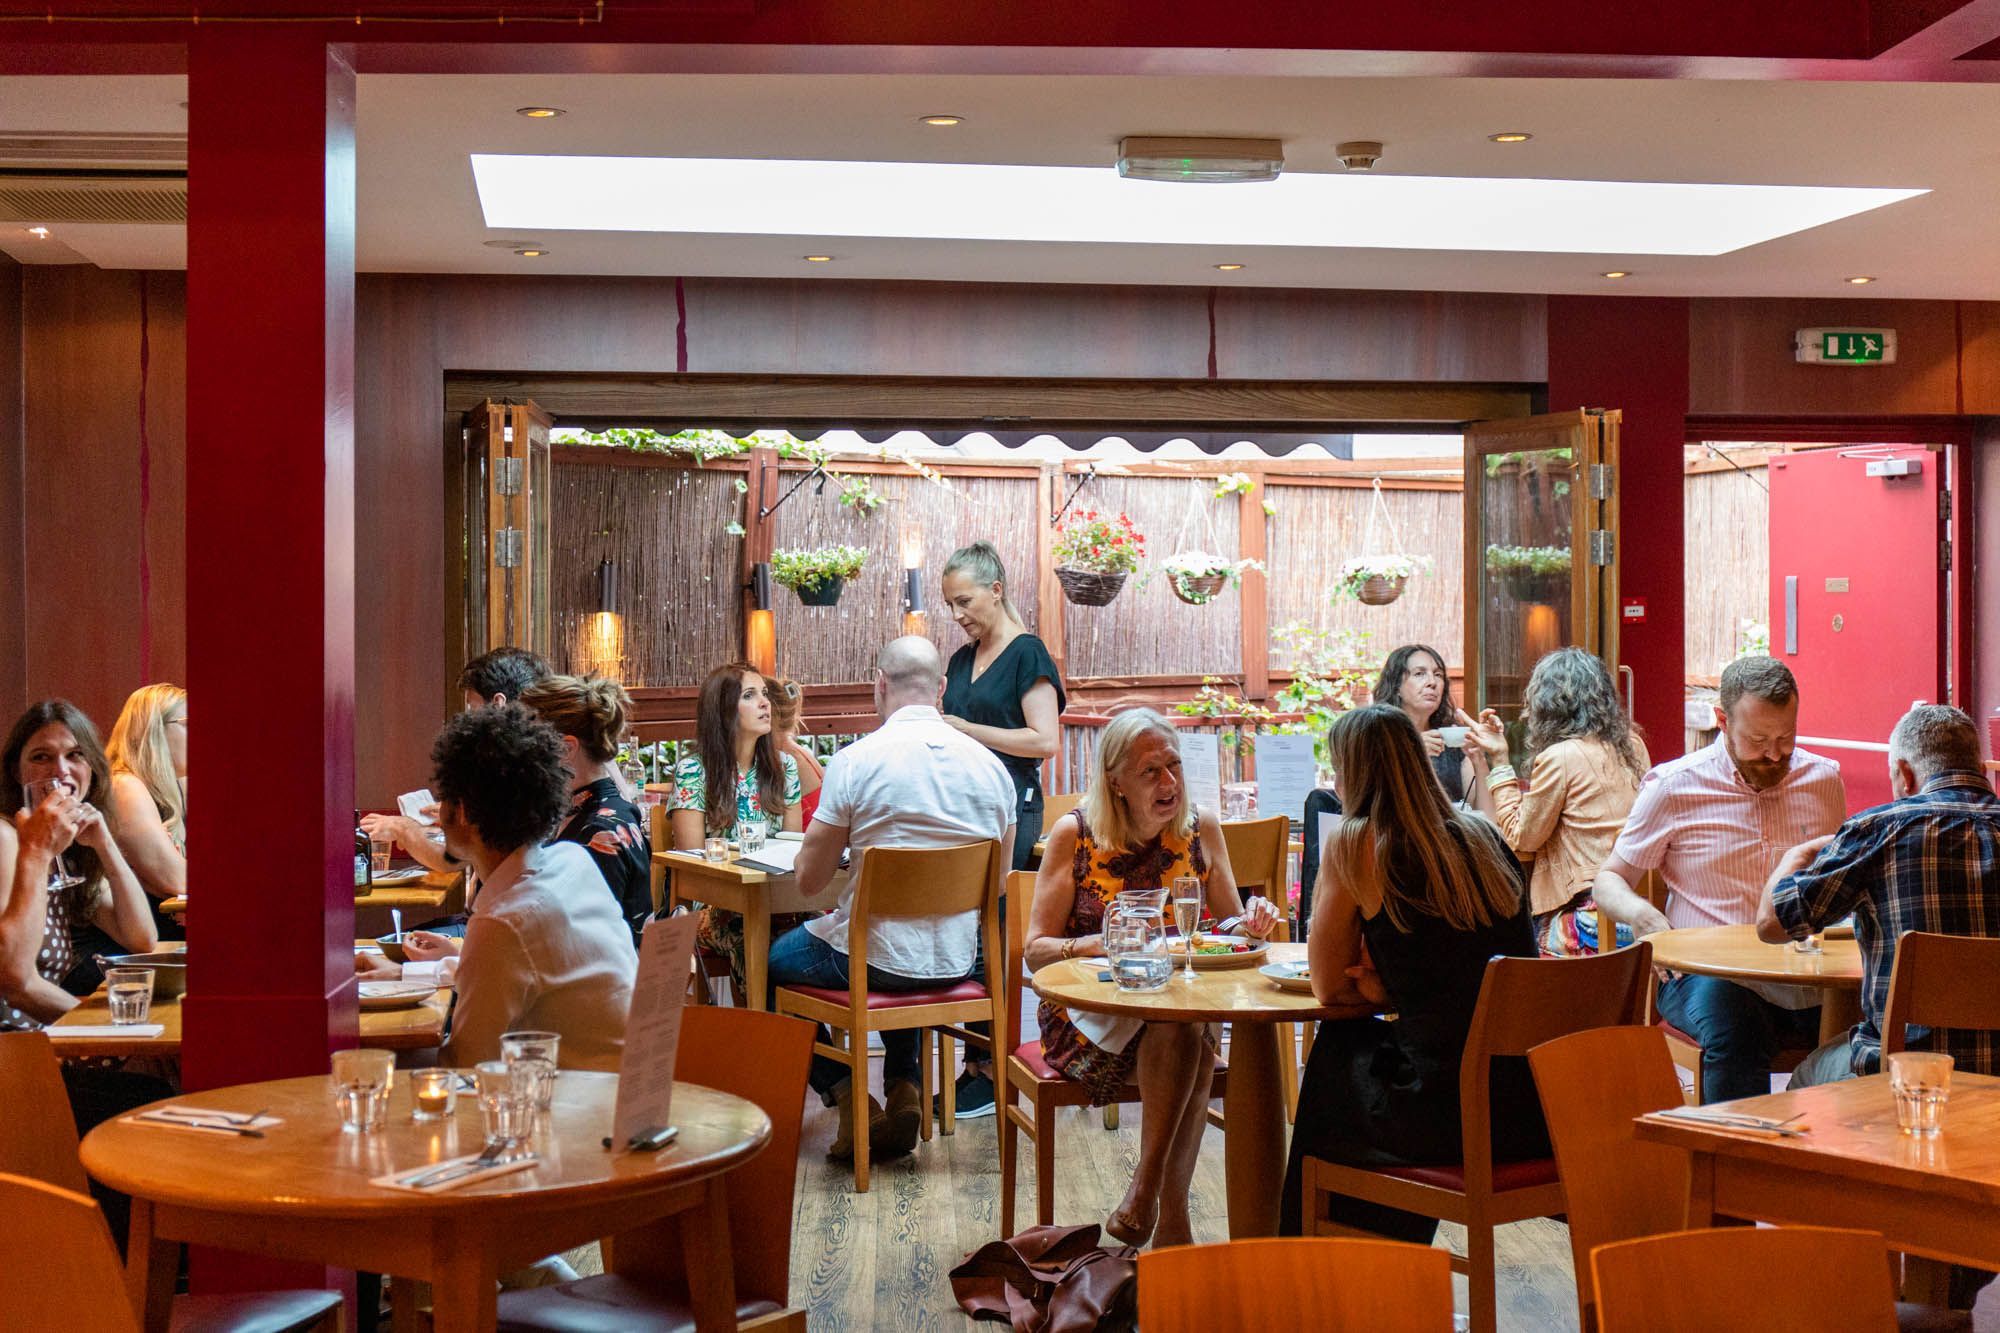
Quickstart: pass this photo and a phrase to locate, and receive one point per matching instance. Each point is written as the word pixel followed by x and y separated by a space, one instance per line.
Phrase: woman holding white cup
pixel 1414 679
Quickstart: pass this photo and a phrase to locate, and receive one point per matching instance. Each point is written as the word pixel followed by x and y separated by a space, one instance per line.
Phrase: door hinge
pixel 1944 555
pixel 1600 481
pixel 1603 546
pixel 507 548
pixel 1944 506
pixel 508 474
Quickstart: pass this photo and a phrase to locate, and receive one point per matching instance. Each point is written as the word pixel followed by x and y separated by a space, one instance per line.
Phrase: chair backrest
pixel 40 1140
pixel 661 832
pixel 1257 855
pixel 1020 902
pixel 761 1058
pixel 1055 805
pixel 927 881
pixel 1593 1085
pixel 1942 981
pixel 1524 1002
pixel 1376 1286
pixel 1743 1277
pixel 62 1270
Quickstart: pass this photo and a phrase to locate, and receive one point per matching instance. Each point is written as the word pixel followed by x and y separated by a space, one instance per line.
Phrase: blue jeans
pixel 801 958
pixel 1739 1031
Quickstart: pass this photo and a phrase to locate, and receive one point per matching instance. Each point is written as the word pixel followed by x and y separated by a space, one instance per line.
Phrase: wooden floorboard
pixel 882 1260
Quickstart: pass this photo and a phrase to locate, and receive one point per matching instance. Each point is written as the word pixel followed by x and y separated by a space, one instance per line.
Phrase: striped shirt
pixel 1928 862
pixel 1715 839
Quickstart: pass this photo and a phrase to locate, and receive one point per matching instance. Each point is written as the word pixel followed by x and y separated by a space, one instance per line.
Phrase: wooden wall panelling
pixel 1979 355
pixel 1281 333
pixel 1740 359
pixel 164 487
pixel 13 514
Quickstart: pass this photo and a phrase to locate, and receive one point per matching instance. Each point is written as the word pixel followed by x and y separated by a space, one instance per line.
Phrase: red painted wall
pixel 1631 353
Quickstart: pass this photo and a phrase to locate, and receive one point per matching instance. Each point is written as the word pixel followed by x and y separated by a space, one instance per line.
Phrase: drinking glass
pixel 435 1093
pixel 380 848
pixel 753 837
pixel 534 1052
pixel 361 1089
pixel 1921 1084
pixel 507 1097
pixel 131 992
pixel 714 848
pixel 1187 916
pixel 1810 944
pixel 60 875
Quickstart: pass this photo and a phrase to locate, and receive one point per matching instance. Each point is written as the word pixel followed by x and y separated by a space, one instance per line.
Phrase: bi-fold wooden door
pixel 506 527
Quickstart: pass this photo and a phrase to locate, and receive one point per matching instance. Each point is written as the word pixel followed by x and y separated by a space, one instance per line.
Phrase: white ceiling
pixel 419 213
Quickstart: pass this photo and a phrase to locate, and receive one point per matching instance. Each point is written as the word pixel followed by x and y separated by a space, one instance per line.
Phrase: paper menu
pixel 1286 775
pixel 416 805
pixel 653 1028
pixel 1201 769
pixel 776 857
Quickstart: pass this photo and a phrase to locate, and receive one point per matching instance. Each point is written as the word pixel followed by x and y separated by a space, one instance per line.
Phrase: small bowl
pixel 392 949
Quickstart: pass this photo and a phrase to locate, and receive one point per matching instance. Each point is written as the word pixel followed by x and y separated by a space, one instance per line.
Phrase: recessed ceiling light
pixel 539 112
pixel 993 202
pixel 1616 273
pixel 1859 281
pixel 531 254
pixel 1228 268
pixel 39 233
pixel 942 120
pixel 1510 136
pixel 819 259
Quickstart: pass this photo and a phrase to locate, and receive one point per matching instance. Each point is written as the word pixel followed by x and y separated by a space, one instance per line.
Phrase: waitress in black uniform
pixel 1003 690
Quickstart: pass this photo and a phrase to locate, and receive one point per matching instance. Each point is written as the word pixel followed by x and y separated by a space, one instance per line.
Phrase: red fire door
pixel 1859 561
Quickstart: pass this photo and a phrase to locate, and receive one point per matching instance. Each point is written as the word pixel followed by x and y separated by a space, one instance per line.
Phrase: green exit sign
pixel 1845 347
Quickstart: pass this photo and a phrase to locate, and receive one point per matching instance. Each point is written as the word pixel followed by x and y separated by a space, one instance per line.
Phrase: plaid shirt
pixel 1928 862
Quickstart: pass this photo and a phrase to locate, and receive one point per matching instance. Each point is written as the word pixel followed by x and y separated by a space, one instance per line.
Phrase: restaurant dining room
pixel 1089 667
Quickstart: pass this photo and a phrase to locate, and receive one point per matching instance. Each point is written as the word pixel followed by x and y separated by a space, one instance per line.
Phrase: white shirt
pixel 546 950
pixel 913 782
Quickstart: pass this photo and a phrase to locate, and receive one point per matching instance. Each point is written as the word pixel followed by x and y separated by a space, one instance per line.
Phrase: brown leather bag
pixel 1051 1280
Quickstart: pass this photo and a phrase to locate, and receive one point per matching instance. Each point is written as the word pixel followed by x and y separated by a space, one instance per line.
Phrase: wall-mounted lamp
pixel 604 635
pixel 760 633
pixel 912 546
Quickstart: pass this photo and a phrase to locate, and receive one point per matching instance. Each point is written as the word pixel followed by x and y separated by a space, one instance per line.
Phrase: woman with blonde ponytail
pixel 589 712
pixel 148 758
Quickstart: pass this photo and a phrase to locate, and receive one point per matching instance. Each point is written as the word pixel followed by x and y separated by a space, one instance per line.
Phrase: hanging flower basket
pixel 1196 574
pixel 1531 574
pixel 817 575
pixel 1380 589
pixel 1089 587
pixel 826 594
pixel 1378 578
pixel 1197 590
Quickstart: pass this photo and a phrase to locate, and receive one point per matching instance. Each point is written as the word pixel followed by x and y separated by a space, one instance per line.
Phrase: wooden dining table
pixel 756 894
pixel 437 893
pixel 1253 1104
pixel 1736 954
pixel 303 1192
pixel 414 1028
pixel 1937 1197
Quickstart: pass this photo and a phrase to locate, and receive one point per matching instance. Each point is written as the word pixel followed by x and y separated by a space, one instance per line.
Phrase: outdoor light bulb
pixel 943 120
pixel 1859 280
pixel 910 541
pixel 539 112
pixel 39 233
pixel 1510 136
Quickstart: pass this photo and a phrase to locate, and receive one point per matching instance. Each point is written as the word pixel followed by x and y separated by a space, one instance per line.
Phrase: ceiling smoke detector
pixel 1359 154
pixel 1200 161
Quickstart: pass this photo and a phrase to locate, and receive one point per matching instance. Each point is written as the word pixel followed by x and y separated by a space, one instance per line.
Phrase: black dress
pixel 1381 1093
pixel 1319 801
pixel 994 700
pixel 609 827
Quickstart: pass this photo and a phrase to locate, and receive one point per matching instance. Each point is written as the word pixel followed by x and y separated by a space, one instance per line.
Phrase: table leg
pixel 1839 1010
pixel 465 1286
pixel 1253 1136
pixel 404 1316
pixel 150 1269
pixel 711 1267
pixel 1701 1191
pixel 757 956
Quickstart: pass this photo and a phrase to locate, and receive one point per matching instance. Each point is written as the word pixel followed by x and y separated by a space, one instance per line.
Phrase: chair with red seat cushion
pixel 1523 1002
pixel 1029 1075
pixel 644 1290
pixel 904 882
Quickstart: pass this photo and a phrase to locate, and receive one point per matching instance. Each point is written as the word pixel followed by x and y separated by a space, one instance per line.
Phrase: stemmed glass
pixel 60 875
pixel 1187 915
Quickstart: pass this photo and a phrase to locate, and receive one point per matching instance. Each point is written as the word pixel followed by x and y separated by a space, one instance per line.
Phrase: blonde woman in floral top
pixel 735 774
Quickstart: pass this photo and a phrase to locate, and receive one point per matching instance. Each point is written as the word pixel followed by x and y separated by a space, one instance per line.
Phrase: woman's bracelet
pixel 1069 948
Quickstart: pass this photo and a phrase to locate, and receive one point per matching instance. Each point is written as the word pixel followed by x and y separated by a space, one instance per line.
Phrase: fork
pixel 196 1113
pixel 490 1155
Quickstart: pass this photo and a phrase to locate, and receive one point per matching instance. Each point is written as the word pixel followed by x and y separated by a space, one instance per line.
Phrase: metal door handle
pixel 1791 615
pixel 1631 688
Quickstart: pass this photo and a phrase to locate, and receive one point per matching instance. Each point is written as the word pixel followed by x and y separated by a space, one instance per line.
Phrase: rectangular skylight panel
pixel 976 202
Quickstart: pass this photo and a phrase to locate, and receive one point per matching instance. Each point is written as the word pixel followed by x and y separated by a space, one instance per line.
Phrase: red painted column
pixel 1632 353
pixel 270 543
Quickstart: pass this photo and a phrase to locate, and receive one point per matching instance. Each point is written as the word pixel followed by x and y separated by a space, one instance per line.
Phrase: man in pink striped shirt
pixel 1715 824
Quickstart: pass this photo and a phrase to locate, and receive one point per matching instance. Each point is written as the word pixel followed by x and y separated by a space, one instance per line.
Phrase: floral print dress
pixel 721 932
pixel 613 831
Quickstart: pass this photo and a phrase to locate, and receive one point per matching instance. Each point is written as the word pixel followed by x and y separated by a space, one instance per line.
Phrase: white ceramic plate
pixel 378 995
pixel 1292 976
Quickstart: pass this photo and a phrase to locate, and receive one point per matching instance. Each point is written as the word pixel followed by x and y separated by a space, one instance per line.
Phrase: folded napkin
pixel 399 1180
pixel 1719 1117
pixel 107 1030
pixel 402 876
pixel 203 1119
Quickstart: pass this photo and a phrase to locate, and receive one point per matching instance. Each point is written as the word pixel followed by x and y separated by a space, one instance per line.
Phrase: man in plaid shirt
pixel 1929 861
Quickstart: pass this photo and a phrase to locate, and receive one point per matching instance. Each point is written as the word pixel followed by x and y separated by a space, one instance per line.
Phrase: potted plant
pixel 1377 580
pixel 817 574
pixel 1094 553
pixel 1531 573
pixel 1198 577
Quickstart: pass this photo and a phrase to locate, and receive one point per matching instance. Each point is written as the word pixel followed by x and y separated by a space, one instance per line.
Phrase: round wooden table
pixel 1253 1103
pixel 1736 954
pixel 302 1191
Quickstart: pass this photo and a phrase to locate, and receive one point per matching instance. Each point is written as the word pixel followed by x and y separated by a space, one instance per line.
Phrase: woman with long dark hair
pixel 1586 759
pixel 1414 679
pixel 44 932
pixel 1414 897
pixel 735 776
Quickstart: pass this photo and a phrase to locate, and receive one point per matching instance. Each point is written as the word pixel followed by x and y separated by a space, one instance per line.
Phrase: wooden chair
pixel 1028 1076
pixel 1763 1278
pixel 710 967
pixel 1258 853
pixel 908 882
pixel 1942 981
pixel 1056 805
pixel 1593 1085
pixel 1523 1002
pixel 1367 1286
pixel 641 1287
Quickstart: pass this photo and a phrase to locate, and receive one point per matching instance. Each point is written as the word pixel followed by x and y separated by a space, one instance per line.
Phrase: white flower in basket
pixel 1197 577
pixel 1378 579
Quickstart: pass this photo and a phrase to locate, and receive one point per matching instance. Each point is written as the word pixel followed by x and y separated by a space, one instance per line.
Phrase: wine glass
pixel 1187 916
pixel 60 875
